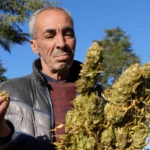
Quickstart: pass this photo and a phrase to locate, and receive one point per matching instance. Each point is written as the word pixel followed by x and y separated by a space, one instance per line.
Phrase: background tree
pixel 13 14
pixel 117 54
pixel 2 71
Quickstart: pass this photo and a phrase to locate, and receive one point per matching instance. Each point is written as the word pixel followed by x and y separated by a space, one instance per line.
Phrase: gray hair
pixel 33 18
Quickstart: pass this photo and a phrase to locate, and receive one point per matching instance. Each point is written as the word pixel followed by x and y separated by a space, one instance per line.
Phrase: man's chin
pixel 63 67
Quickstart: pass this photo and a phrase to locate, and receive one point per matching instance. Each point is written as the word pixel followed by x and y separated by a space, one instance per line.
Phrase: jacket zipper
pixel 51 114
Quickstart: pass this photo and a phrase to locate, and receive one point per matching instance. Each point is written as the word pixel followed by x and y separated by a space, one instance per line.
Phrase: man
pixel 39 101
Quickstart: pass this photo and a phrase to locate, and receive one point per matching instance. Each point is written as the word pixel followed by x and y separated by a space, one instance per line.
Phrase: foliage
pixel 2 71
pixel 117 54
pixel 13 14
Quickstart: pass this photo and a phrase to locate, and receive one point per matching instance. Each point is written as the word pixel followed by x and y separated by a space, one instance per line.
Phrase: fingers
pixel 3 98
pixel 3 106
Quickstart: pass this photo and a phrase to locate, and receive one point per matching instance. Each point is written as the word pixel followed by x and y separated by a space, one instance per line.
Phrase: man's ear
pixel 34 46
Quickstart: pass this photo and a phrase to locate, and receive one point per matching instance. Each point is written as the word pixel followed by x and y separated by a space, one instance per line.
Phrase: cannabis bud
pixel 128 109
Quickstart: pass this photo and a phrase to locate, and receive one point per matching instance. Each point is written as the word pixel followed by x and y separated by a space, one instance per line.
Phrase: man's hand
pixel 4 102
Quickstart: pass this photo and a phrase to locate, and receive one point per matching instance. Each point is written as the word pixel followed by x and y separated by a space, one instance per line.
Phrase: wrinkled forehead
pixel 52 19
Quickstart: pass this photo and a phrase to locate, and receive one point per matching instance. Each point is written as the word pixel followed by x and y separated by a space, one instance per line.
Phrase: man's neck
pixel 57 75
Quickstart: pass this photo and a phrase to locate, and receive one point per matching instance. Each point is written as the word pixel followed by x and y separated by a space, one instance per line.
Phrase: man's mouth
pixel 62 57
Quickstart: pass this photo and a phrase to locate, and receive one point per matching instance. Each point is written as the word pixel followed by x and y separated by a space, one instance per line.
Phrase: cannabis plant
pixel 84 121
pixel 118 119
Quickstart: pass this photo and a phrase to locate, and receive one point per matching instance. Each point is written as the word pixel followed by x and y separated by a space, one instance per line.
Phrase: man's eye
pixel 49 36
pixel 69 34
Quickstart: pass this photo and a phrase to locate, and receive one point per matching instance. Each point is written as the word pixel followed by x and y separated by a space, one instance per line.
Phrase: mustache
pixel 65 51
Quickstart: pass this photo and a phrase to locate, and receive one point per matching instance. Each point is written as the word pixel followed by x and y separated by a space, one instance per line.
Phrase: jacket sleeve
pixel 5 142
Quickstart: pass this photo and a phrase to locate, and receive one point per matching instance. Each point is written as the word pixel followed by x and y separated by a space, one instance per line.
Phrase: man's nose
pixel 61 42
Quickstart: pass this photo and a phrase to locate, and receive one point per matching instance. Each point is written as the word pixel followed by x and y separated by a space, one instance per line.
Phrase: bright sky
pixel 91 18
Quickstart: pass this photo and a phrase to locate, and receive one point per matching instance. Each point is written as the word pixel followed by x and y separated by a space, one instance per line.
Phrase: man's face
pixel 55 40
